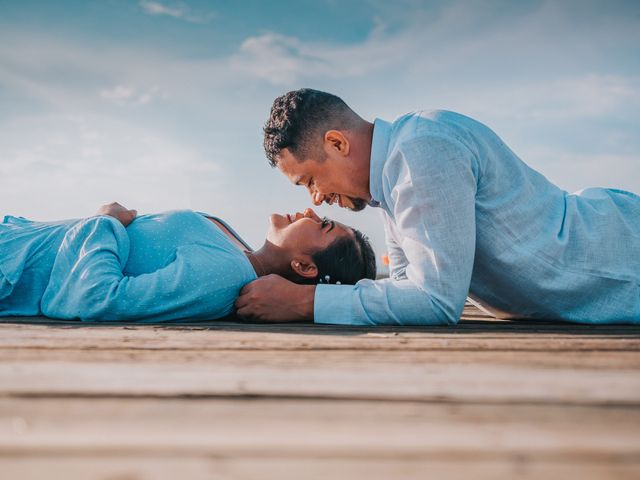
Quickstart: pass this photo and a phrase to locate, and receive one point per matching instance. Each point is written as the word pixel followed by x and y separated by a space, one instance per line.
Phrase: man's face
pixel 328 181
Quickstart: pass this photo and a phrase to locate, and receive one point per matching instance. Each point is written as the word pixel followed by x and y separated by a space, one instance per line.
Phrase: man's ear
pixel 337 141
pixel 304 268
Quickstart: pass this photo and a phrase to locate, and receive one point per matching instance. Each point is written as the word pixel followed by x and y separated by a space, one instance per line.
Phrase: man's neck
pixel 366 152
pixel 361 158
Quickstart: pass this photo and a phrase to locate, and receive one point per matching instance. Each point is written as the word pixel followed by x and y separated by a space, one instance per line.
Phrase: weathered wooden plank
pixel 170 467
pixel 315 428
pixel 499 399
pixel 144 438
pixel 288 376
pixel 300 338
pixel 339 358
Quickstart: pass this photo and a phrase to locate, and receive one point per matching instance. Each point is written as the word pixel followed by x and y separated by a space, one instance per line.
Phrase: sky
pixel 160 105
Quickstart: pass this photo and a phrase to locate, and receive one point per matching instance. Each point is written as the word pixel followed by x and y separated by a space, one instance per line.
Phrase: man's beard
pixel 357 204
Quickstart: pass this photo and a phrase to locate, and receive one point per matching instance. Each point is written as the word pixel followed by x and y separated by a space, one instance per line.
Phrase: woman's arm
pixel 87 280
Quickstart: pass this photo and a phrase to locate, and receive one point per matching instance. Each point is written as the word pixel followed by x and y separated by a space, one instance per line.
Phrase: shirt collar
pixel 379 152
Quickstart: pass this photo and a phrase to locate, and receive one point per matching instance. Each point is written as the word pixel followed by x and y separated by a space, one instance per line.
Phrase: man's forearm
pixel 272 298
pixel 304 301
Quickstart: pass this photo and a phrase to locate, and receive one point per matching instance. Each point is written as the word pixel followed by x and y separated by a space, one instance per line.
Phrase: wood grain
pixel 484 399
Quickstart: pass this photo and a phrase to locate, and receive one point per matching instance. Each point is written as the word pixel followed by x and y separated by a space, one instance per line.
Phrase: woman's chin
pixel 273 233
pixel 279 221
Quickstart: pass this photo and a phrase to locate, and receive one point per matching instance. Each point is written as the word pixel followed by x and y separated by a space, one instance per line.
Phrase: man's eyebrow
pixel 333 224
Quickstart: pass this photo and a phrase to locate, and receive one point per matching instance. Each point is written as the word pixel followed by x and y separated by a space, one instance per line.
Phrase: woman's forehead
pixel 344 229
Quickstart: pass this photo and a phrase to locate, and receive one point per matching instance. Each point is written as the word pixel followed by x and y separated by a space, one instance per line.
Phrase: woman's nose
pixel 311 214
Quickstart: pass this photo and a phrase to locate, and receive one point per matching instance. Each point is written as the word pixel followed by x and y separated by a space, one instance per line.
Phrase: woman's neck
pixel 268 260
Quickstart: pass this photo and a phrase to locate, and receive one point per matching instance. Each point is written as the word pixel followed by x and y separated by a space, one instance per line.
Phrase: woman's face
pixel 304 233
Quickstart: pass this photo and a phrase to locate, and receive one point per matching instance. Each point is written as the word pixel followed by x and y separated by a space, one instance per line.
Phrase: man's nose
pixel 318 198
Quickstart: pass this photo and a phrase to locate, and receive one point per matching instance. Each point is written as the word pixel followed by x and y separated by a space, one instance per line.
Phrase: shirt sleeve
pixel 433 206
pixel 87 282
pixel 397 259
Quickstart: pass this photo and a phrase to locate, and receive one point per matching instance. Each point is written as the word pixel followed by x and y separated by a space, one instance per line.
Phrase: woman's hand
pixel 117 211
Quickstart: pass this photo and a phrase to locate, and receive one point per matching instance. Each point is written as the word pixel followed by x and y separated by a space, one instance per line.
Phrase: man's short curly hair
pixel 299 119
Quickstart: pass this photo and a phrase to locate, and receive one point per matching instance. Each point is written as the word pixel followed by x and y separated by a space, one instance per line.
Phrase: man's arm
pixel 275 299
pixel 434 212
pixel 397 259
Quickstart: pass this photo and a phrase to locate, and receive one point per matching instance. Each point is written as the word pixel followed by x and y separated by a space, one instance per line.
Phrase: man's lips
pixel 335 197
pixel 331 199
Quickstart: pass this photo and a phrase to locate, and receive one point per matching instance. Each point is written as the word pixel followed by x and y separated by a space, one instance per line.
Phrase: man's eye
pixel 325 222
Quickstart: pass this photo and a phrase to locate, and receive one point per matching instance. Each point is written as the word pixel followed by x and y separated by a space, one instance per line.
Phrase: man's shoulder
pixel 421 129
pixel 426 124
pixel 421 140
pixel 430 117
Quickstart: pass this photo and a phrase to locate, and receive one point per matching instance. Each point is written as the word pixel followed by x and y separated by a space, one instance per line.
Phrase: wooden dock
pixel 485 399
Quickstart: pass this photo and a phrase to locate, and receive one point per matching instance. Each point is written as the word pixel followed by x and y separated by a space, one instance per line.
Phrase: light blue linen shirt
pixel 463 215
pixel 162 267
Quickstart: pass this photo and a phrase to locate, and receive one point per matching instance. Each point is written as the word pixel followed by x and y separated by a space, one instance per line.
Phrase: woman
pixel 163 267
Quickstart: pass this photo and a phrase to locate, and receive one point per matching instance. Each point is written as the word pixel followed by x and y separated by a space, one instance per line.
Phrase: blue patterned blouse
pixel 162 267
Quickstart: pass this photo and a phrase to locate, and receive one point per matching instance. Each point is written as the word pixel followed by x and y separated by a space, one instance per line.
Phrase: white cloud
pixel 455 45
pixel 179 11
pixel 124 95
pixel 34 70
pixel 118 93
pixel 559 99
pixel 284 61
pixel 574 171
pixel 67 166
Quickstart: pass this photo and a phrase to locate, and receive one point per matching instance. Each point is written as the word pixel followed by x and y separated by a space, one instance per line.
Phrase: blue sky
pixel 160 104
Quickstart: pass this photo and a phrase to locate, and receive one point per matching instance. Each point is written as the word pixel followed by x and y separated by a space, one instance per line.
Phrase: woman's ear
pixel 304 268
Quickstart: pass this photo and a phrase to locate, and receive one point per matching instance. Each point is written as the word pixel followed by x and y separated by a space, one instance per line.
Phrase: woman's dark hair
pixel 347 260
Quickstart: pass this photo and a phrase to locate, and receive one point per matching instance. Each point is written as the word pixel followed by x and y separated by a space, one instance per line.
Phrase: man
pixel 463 216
